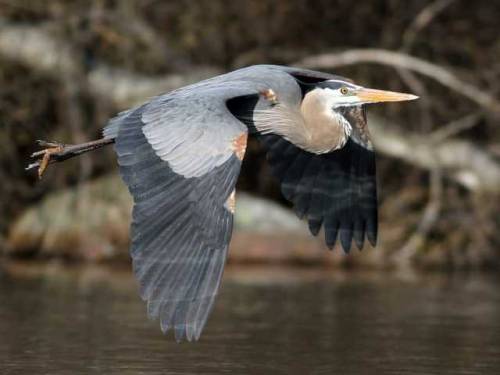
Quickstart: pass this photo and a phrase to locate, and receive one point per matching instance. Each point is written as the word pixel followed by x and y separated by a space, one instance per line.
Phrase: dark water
pixel 84 321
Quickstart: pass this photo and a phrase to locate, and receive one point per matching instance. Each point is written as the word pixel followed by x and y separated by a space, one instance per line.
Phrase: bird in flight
pixel 180 155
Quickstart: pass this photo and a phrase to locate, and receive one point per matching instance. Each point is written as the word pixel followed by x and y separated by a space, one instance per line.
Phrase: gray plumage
pixel 180 155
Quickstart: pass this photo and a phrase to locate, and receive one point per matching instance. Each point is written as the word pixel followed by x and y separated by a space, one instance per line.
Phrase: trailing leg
pixel 56 152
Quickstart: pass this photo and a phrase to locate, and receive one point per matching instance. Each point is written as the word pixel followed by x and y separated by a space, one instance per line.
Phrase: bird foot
pixel 55 152
pixel 46 155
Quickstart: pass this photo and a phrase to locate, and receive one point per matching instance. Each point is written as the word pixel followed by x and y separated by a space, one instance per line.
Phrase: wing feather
pixel 180 225
pixel 335 190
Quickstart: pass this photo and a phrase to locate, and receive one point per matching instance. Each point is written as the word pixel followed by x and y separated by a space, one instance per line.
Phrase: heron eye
pixel 344 90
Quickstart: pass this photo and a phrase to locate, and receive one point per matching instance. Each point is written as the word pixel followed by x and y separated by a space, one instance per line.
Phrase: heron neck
pixel 325 130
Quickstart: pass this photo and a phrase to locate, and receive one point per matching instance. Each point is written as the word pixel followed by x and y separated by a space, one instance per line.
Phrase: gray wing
pixel 180 156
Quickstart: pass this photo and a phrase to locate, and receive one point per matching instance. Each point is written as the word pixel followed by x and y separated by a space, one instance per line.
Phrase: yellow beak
pixel 378 96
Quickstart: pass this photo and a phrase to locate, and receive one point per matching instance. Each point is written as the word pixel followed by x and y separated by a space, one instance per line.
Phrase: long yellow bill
pixel 378 96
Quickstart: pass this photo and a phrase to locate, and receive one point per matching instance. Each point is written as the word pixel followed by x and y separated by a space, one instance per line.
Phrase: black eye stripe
pixel 335 85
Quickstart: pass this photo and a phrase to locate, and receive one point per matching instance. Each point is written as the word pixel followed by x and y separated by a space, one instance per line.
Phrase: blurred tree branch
pixel 468 164
pixel 36 48
pixel 423 18
pixel 430 216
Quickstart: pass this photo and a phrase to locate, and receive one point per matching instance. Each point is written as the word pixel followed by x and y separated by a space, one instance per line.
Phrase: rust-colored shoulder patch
pixel 239 145
pixel 270 95
pixel 231 202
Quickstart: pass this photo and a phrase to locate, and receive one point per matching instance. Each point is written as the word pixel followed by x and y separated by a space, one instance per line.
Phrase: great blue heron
pixel 180 155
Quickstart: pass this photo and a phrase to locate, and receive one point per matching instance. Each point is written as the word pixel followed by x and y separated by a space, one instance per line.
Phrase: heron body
pixel 180 155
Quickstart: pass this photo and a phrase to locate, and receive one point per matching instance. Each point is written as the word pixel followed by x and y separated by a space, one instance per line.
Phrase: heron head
pixel 334 110
pixel 339 93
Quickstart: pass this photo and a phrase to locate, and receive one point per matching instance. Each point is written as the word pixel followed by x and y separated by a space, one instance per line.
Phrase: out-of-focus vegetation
pixel 66 67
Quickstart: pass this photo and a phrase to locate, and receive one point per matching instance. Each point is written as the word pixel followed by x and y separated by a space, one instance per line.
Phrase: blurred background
pixel 66 67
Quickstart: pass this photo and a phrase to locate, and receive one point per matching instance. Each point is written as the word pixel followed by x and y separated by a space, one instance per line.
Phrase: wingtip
pixel 331 233
pixel 372 238
pixel 180 333
pixel 314 226
pixel 346 239
pixel 346 248
pixel 359 244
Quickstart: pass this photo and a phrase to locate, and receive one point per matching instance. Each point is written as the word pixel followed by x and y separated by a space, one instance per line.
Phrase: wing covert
pixel 192 128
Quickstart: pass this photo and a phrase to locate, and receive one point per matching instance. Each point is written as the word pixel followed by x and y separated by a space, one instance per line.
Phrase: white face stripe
pixel 336 99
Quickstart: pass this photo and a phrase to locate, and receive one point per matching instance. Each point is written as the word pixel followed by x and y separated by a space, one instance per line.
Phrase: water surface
pixel 67 320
